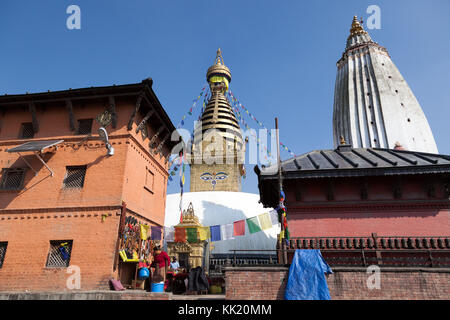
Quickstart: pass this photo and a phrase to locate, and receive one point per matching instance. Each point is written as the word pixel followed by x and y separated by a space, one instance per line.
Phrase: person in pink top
pixel 161 262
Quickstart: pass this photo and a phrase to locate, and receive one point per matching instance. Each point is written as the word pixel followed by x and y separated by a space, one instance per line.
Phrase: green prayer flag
pixel 191 235
pixel 253 225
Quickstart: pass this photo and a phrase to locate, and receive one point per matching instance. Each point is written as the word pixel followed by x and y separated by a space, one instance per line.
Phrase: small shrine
pixel 189 254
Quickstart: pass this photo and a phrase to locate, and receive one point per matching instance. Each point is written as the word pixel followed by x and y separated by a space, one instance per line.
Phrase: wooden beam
pixel 298 191
pixel 112 110
pixel 158 149
pixel 153 139
pixel 69 108
pixel 364 191
pixel 398 188
pixel 32 108
pixel 330 190
pixel 144 121
pixel 138 105
pixel 73 98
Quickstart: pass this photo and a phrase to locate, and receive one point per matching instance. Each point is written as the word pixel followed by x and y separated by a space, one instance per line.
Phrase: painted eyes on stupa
pixel 206 176
pixel 221 176
pixel 218 176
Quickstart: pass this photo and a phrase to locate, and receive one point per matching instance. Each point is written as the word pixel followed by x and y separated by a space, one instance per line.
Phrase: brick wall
pixel 29 235
pixel 268 283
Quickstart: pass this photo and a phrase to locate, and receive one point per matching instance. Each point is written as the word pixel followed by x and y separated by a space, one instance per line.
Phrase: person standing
pixel 161 262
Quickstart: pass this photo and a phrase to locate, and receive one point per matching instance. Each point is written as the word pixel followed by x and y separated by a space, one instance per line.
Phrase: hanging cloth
pixel 307 276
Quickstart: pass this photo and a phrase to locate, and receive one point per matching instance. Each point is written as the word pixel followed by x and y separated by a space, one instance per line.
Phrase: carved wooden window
pixel 84 126
pixel 12 179
pixel 59 253
pixel 74 177
pixel 3 246
pixel 26 131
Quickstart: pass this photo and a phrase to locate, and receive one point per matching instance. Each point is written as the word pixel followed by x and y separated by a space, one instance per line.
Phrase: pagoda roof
pixel 345 161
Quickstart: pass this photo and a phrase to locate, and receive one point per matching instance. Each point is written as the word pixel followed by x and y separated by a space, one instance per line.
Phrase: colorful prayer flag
pixel 264 221
pixel 226 231
pixel 180 235
pixel 204 233
pixel 191 235
pixel 274 217
pixel 156 232
pixel 253 225
pixel 239 228
pixel 144 231
pixel 215 233
pixel 169 233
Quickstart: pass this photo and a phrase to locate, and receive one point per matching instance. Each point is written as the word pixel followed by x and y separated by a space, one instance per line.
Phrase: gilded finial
pixel 219 58
pixel 357 27
pixel 342 140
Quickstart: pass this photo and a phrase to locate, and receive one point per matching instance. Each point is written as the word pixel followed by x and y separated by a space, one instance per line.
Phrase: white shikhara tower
pixel 373 104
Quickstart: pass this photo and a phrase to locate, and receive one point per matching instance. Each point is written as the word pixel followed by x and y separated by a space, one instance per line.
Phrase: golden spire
pixel 219 58
pixel 357 27
pixel 219 72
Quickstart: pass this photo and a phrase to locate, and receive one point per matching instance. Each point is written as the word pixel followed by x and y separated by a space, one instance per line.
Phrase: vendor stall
pixel 136 248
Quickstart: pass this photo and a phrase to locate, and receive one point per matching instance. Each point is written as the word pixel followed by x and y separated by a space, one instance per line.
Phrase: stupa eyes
pixel 214 177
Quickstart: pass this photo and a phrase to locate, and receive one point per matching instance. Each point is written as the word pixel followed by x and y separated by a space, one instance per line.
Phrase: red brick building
pixel 78 193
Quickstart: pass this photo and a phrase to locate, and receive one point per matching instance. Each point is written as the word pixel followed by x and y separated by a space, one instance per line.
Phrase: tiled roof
pixel 348 161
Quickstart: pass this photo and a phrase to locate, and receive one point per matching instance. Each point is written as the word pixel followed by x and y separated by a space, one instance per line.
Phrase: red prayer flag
pixel 239 228
pixel 180 235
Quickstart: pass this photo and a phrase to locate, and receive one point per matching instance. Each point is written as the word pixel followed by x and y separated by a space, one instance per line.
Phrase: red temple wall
pixel 329 223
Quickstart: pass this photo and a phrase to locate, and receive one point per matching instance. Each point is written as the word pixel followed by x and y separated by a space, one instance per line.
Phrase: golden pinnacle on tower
pixel 218 73
pixel 357 27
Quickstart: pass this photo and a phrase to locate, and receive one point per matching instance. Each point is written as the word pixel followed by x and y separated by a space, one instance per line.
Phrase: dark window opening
pixel 74 177
pixel 26 131
pixel 3 246
pixel 59 253
pixel 12 179
pixel 84 126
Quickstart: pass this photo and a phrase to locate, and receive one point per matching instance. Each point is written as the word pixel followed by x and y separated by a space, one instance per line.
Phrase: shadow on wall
pixel 8 197
pixel 216 214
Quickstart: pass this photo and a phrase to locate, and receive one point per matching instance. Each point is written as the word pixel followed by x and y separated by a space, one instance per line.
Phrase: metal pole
pixel 280 188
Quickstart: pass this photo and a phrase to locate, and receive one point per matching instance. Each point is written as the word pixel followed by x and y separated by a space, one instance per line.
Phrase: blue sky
pixel 282 55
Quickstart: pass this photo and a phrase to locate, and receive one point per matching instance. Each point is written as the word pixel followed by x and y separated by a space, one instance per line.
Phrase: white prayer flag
pixel 226 231
pixel 169 233
pixel 274 217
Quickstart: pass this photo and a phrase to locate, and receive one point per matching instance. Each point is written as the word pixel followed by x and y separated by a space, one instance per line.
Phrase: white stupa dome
pixel 223 207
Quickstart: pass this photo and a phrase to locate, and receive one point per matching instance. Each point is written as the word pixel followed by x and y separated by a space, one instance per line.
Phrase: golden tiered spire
pixel 357 27
pixel 219 69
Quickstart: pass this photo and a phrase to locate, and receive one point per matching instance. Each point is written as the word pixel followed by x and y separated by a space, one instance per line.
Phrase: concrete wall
pixel 269 283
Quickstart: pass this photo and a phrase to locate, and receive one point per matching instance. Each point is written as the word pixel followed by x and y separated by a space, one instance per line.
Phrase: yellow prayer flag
pixel 264 221
pixel 144 231
pixel 204 233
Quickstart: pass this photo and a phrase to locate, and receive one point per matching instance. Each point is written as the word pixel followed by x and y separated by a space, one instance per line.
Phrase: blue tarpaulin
pixel 307 276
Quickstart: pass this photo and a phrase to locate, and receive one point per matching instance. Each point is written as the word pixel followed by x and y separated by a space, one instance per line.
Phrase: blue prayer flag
pixel 215 233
